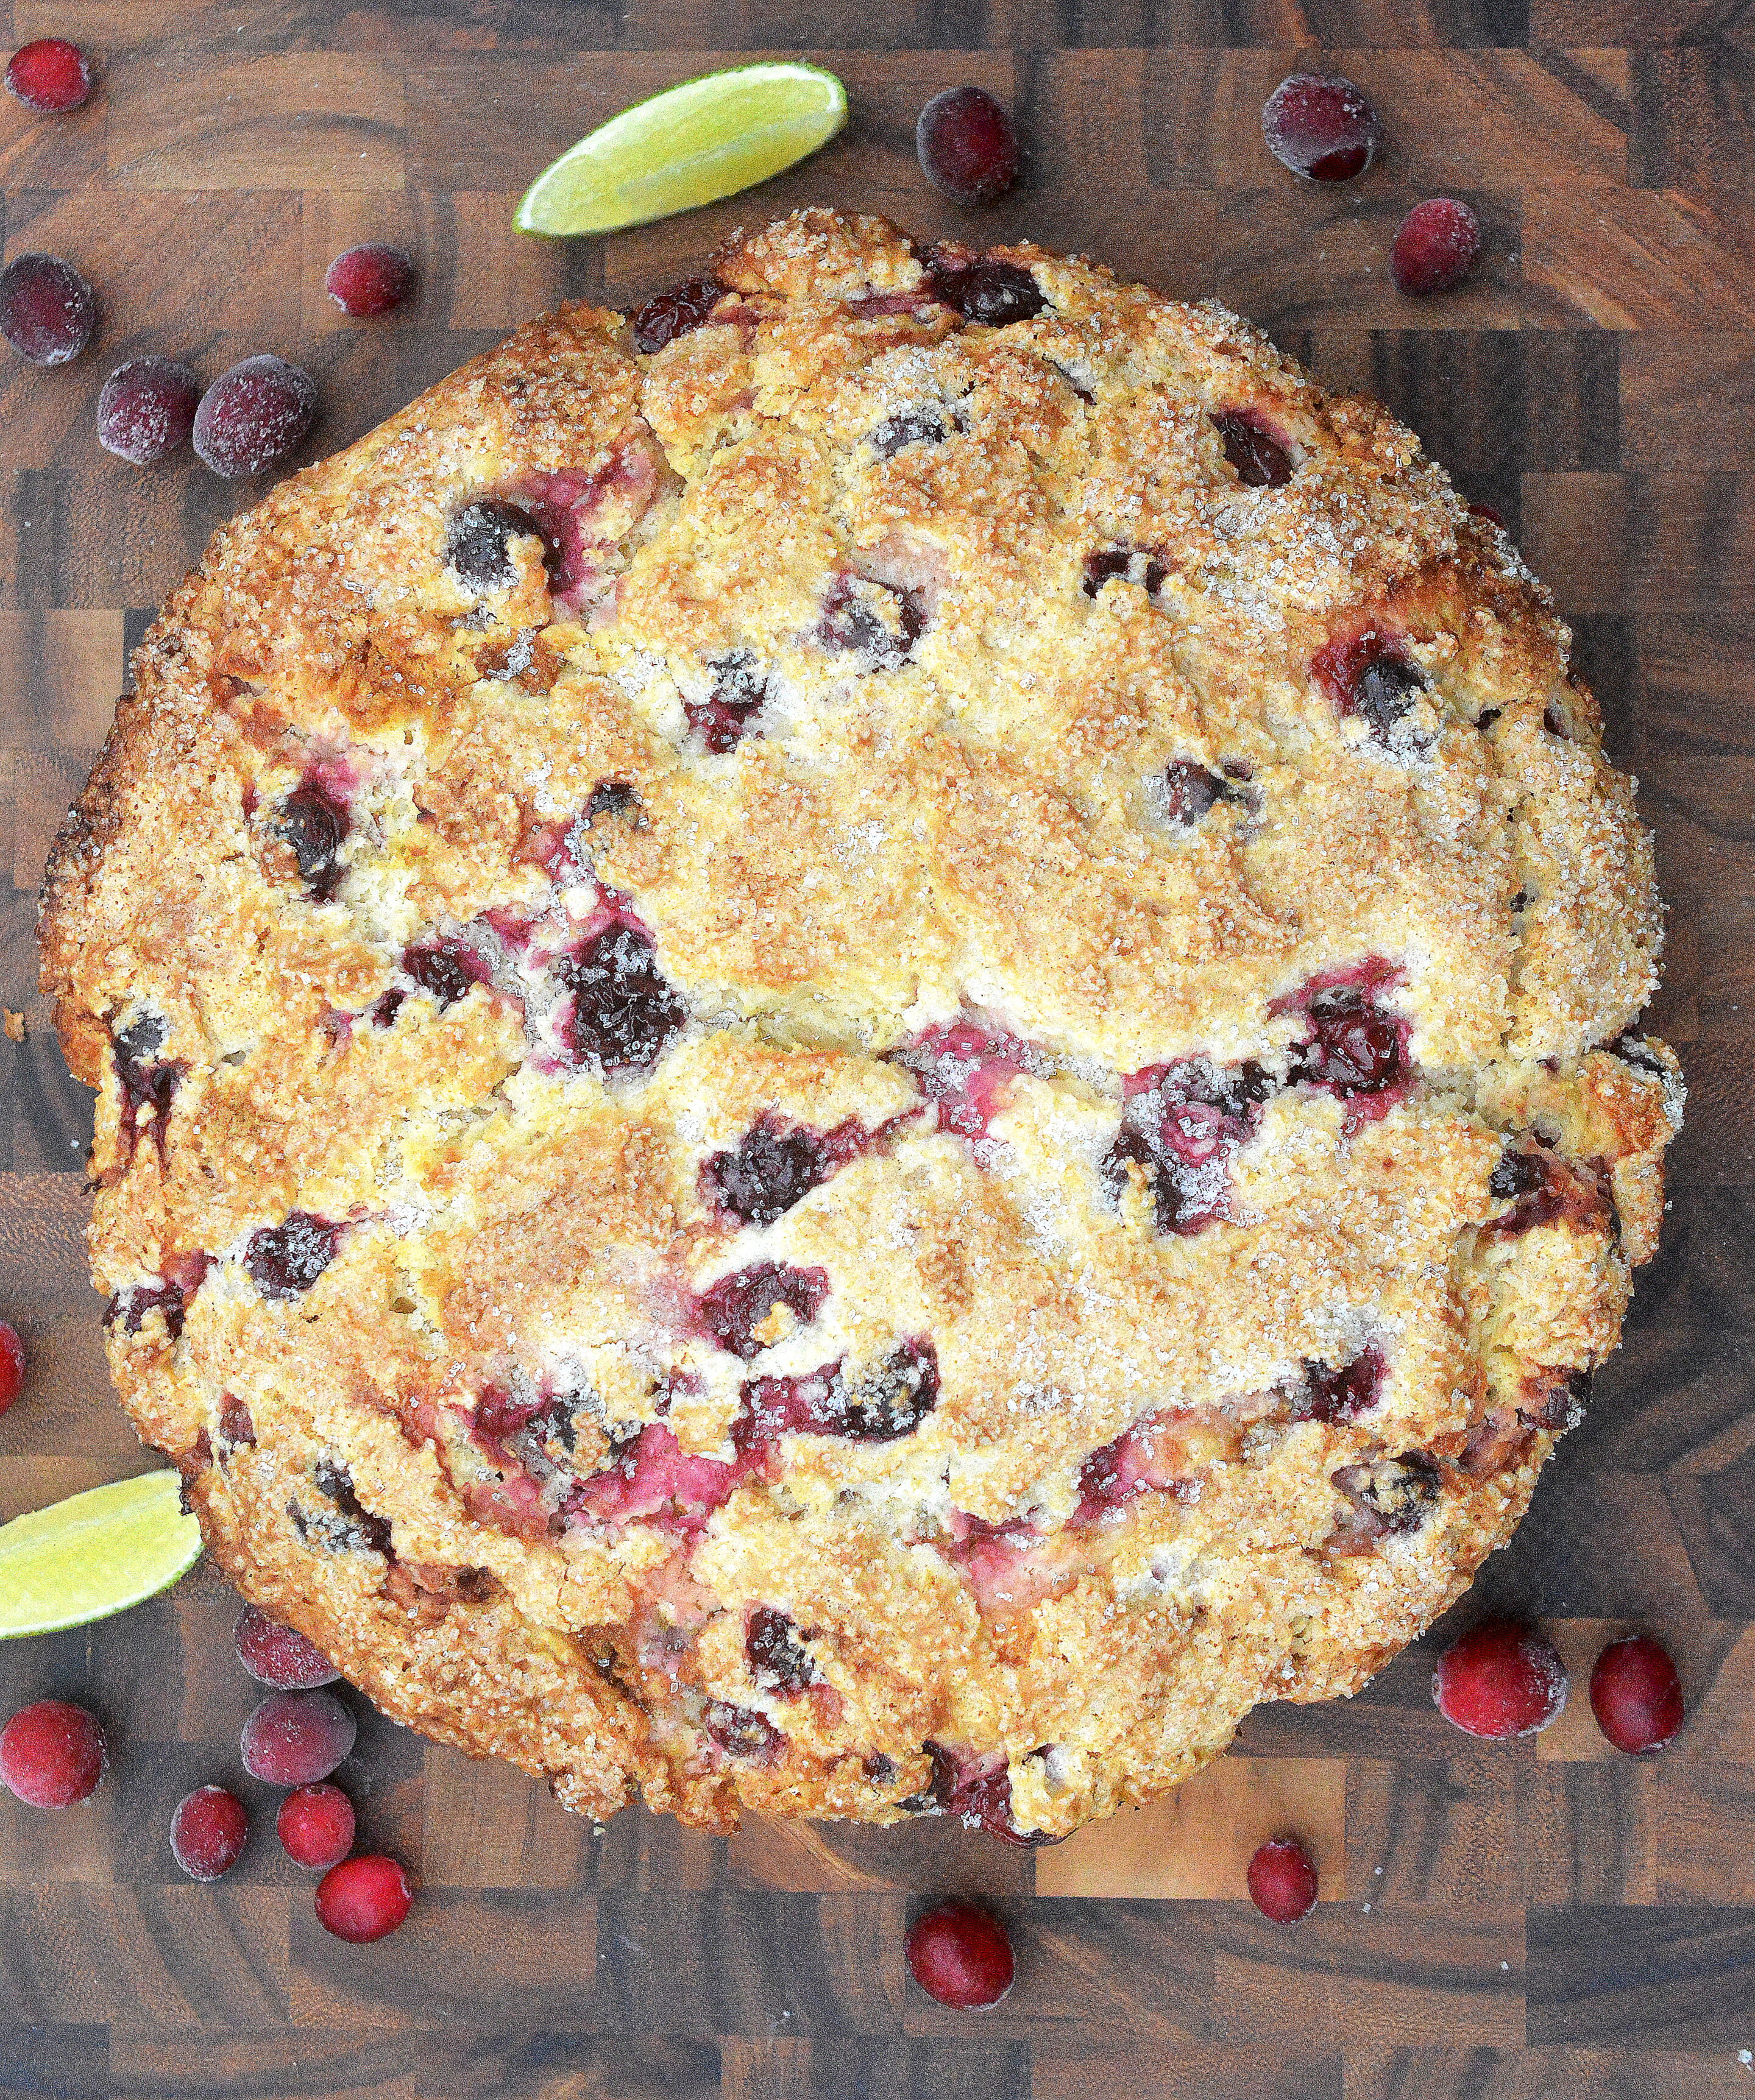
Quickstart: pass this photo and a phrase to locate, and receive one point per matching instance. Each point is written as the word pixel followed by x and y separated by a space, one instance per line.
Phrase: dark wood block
pixel 1688 399
pixel 72 2062
pixel 1603 1976
pixel 1542 2074
pixel 1144 2067
pixel 278 2064
pixel 511 2061
pixel 807 2069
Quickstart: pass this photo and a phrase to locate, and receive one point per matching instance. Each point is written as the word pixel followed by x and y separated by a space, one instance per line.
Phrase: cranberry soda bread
pixel 864 1048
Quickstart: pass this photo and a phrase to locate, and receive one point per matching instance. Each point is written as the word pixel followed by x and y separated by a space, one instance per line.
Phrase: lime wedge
pixel 691 145
pixel 94 1554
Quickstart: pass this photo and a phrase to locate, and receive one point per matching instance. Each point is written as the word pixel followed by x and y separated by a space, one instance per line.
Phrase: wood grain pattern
pixel 1540 1919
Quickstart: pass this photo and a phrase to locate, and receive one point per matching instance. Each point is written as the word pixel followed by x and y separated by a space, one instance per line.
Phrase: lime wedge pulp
pixel 703 140
pixel 94 1554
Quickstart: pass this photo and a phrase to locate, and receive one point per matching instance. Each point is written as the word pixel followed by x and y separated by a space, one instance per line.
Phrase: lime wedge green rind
pixel 688 146
pixel 93 1555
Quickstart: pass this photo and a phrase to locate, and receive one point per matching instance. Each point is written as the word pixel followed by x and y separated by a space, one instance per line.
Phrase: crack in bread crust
pixel 848 1071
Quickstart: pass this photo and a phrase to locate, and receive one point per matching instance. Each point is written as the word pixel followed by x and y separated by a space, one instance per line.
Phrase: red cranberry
pixel 284 1261
pixel 295 1737
pixel 364 1899
pixel 1320 125
pixel 737 1305
pixel 11 1365
pixel 1500 1679
pixel 46 309
pixel 625 1011
pixel 1342 1395
pixel 1257 458
pixel 209 1832
pixel 275 1655
pixel 1283 1881
pixel 254 416
pixel 147 409
pixel 370 280
pixel 967 145
pixel 478 543
pixel 50 76
pixel 314 824
pixel 723 718
pixel 314 1826
pixel 994 294
pixel 52 1755
pixel 1435 247
pixel 671 314
pixel 1636 1695
pixel 907 426
pixel 767 1171
pixel 779 1660
pixel 961 1956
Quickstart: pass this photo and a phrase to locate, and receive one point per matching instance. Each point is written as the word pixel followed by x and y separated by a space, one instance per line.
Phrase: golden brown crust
pixel 906 1081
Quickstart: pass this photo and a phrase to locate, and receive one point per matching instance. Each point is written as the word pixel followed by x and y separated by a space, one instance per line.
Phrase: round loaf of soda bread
pixel 863 1047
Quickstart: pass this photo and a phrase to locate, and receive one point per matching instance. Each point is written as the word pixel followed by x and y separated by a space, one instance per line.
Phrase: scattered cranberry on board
pixel 11 1365
pixel 967 146
pixel 295 1738
pixel 50 76
pixel 1321 127
pixel 147 409
pixel 364 1899
pixel 960 1955
pixel 254 415
pixel 370 280
pixel 1500 1679
pixel 1636 1695
pixel 47 310
pixel 1283 1881
pixel 52 1755
pixel 315 1826
pixel 274 1654
pixel 1435 247
pixel 208 1832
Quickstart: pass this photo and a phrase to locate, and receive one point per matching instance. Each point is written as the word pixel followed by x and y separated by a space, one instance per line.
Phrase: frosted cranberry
pixel 907 426
pixel 146 408
pixel 49 76
pixel 276 1654
pixel 1355 1046
pixel 995 294
pixel 284 1261
pixel 1189 791
pixel 767 1171
pixel 369 279
pixel 447 967
pixel 671 314
pixel 46 309
pixel 1342 1395
pixel 1636 1695
pixel 1144 569
pixel 960 1955
pixel 364 1899
pixel 11 1365
pixel 313 823
pixel 254 416
pixel 1283 1881
pixel 208 1833
pixel 1500 1679
pixel 851 623
pixel 897 1398
pixel 624 1012
pixel 1259 460
pixel 740 1731
pixel 478 543
pixel 1320 125
pixel 725 716
pixel 1435 247
pixel 779 1660
pixel 315 1826
pixel 1182 1127
pixel 737 1306
pixel 295 1737
pixel 967 145
pixel 52 1755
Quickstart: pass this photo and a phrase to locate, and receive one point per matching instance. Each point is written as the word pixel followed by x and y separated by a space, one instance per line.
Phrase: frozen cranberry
pixel 1189 791
pixel 1259 460
pixel 1341 1395
pixel 50 76
pixel 446 967
pixel 779 1660
pixel 295 1737
pixel 1435 247
pixel 314 1826
pixel 147 409
pixel 1636 1695
pixel 1355 1046
pixel 364 1899
pixel 478 543
pixel 995 294
pixel 52 1755
pixel 369 279
pixel 736 1307
pixel 897 1398
pixel 742 1732
pixel 11 1365
pixel 960 1955
pixel 1320 125
pixel 671 314
pixel 46 309
pixel 1500 1679
pixel 625 1011
pixel 313 823
pixel 254 416
pixel 725 716
pixel 907 426
pixel 1283 1881
pixel 209 1832
pixel 967 145
pixel 276 1654
pixel 767 1171
pixel 284 1261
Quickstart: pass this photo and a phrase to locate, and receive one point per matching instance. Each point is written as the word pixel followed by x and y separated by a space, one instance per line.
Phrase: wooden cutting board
pixel 1550 1919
